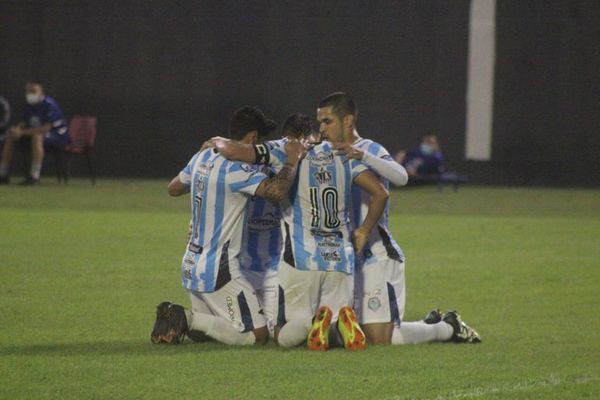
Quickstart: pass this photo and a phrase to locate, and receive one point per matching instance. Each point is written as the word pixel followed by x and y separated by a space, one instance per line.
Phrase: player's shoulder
pixel 276 144
pixel 369 145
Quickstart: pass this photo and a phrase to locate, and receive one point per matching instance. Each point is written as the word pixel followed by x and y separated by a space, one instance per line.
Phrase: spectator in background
pixel 425 161
pixel 425 164
pixel 42 127
pixel 4 117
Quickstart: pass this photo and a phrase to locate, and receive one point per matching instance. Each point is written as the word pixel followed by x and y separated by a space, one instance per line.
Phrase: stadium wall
pixel 163 76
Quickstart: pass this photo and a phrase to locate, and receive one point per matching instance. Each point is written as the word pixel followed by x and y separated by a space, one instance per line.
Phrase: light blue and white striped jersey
pixel 261 243
pixel 220 190
pixel 317 232
pixel 381 245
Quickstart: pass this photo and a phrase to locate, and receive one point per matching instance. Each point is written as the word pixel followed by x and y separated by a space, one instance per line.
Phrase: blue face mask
pixel 426 149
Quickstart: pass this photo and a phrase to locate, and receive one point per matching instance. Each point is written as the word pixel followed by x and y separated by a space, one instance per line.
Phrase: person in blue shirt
pixel 425 161
pixel 43 124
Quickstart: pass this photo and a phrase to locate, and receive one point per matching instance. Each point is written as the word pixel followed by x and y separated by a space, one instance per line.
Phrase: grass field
pixel 82 268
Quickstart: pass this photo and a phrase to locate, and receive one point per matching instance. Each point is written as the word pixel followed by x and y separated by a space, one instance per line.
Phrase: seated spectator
pixel 4 117
pixel 425 161
pixel 43 128
pixel 425 164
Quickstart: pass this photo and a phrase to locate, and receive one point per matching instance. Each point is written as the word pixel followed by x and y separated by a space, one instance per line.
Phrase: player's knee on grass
pixel 261 335
pixel 378 333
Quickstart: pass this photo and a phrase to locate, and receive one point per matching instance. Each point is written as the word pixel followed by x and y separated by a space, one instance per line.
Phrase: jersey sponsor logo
pixel 194 248
pixel 230 310
pixel 329 242
pixel 323 176
pixel 248 168
pixel 320 159
pixel 267 221
pixel 331 256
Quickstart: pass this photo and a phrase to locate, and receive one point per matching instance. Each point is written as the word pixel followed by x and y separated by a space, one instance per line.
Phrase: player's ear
pixel 348 121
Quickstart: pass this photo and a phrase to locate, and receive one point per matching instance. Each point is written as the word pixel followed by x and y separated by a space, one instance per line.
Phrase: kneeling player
pixel 224 304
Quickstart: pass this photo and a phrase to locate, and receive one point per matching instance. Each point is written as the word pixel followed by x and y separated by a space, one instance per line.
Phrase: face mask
pixel 426 149
pixel 32 98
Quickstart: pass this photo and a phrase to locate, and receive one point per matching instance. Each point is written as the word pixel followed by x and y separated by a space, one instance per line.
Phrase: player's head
pixel 249 124
pixel 34 91
pixel 297 126
pixel 337 114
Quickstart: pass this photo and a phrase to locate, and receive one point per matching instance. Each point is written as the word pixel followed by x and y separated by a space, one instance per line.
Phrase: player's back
pixel 261 243
pixel 219 192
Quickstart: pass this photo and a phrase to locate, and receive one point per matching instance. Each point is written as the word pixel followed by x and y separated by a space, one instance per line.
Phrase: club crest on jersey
pixel 205 167
pixel 374 303
pixel 320 159
pixel 323 176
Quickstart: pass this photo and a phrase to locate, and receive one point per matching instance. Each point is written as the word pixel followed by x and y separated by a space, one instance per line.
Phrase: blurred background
pixel 161 77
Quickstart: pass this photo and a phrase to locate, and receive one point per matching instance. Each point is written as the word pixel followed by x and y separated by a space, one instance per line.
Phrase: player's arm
pixel 177 188
pixel 368 182
pixel 276 188
pixel 232 150
pixel 385 167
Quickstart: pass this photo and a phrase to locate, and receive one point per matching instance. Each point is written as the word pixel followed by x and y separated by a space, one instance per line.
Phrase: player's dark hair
pixel 248 119
pixel 341 104
pixel 297 125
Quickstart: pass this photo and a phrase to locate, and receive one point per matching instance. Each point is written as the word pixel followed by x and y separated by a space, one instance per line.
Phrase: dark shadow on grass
pixel 116 348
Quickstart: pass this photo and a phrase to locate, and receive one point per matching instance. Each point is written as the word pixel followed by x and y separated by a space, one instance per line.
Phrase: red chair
pixel 82 131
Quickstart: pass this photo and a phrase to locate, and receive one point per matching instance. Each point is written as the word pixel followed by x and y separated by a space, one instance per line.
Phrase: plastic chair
pixel 82 131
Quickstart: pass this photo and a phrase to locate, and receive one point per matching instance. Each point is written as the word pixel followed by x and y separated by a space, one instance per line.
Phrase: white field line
pixel 552 380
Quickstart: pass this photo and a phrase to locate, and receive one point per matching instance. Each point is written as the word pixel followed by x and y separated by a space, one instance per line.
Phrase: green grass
pixel 82 268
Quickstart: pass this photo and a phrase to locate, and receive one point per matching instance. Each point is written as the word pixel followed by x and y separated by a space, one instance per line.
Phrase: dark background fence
pixel 163 76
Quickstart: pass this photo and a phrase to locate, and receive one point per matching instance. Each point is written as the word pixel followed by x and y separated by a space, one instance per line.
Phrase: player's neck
pixel 353 137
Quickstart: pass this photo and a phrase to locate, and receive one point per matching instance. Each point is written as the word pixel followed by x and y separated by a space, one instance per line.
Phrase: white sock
pixel 219 329
pixel 294 332
pixel 418 332
pixel 35 170
pixel 3 168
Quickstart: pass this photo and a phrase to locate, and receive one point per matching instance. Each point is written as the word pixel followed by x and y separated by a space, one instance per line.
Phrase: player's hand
pixel 189 232
pixel 295 151
pixel 360 236
pixel 350 151
pixel 213 142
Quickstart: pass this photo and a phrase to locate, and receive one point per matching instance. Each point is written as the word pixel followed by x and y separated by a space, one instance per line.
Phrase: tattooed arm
pixel 276 188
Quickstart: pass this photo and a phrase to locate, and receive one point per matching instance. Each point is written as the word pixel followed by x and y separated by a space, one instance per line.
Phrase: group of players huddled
pixel 290 239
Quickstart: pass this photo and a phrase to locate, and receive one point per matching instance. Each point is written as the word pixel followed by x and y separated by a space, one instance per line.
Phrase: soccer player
pixel 43 124
pixel 316 273
pixel 224 305
pixel 380 282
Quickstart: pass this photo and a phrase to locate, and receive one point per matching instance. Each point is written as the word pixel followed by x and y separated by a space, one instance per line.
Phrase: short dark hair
pixel 34 82
pixel 341 104
pixel 248 119
pixel 297 125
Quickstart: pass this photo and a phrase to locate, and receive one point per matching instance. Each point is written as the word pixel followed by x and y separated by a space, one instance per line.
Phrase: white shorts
pixel 301 293
pixel 235 302
pixel 380 292
pixel 266 286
